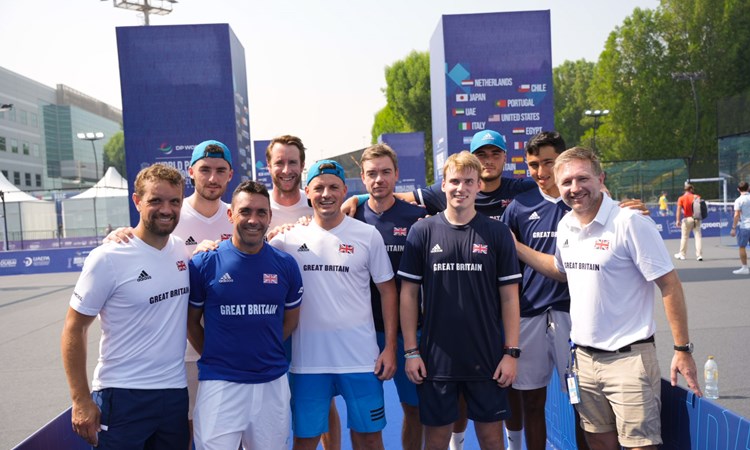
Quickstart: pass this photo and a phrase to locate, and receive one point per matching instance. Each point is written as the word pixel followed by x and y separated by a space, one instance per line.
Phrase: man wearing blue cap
pixel 334 348
pixel 496 191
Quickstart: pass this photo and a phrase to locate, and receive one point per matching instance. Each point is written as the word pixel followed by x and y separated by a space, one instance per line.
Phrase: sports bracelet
pixel 412 355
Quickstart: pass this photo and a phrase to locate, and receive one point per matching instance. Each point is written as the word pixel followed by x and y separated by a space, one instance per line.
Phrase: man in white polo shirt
pixel 613 258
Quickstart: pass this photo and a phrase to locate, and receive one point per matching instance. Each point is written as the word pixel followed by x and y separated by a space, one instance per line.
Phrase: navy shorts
pixel 438 401
pixel 143 418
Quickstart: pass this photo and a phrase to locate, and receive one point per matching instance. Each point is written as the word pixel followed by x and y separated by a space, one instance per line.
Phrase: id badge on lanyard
pixel 571 376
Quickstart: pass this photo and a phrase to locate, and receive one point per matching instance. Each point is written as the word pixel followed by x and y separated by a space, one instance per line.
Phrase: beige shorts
pixel 621 392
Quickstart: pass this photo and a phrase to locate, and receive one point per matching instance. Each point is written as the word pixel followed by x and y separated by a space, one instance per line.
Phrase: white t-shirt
pixel 192 229
pixel 742 204
pixel 289 214
pixel 336 333
pixel 611 264
pixel 141 296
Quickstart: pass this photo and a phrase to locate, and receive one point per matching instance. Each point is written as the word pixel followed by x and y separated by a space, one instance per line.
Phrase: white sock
pixel 457 441
pixel 514 439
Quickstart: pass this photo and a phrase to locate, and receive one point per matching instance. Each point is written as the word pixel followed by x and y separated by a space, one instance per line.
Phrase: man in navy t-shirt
pixel 248 294
pixel 393 218
pixel 466 264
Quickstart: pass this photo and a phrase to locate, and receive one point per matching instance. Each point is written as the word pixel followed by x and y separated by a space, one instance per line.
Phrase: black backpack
pixel 700 209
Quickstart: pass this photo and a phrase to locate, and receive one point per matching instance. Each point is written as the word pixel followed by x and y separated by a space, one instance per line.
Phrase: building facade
pixel 39 150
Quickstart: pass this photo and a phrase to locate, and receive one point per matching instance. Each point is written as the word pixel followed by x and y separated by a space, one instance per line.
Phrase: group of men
pixel 479 334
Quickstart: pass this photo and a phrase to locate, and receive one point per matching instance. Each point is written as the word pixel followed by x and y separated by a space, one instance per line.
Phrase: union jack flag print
pixel 479 248
pixel 601 244
pixel 398 231
pixel 346 248
pixel 270 278
pixel 181 265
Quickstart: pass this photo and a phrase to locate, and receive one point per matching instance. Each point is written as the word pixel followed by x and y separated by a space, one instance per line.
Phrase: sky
pixel 316 68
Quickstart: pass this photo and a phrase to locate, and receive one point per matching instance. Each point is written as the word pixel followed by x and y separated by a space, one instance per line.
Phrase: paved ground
pixel 32 309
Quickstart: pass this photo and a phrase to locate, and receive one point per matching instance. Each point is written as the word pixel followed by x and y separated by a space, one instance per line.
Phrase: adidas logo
pixel 436 249
pixel 488 137
pixel 534 216
pixel 190 241
pixel 143 276
pixel 303 248
pixel 226 279
pixel 565 244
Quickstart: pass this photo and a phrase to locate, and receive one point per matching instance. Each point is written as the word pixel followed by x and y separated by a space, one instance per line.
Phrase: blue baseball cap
pixel 487 137
pixel 326 166
pixel 201 151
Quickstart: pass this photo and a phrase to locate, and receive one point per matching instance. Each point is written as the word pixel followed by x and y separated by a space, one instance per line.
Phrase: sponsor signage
pixel 260 166
pixel 189 88
pixel 43 261
pixel 491 72
pixel 410 150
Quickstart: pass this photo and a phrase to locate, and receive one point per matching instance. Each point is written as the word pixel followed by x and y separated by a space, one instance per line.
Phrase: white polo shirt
pixel 611 264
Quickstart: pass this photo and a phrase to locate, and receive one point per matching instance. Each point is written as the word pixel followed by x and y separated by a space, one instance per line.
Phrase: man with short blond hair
pixel 613 258
pixel 467 268
pixel 139 291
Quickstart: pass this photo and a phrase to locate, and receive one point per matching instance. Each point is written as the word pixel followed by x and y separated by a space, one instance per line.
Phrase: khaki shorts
pixel 621 392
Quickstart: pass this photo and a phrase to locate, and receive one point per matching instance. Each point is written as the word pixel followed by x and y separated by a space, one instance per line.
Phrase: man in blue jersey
pixel 496 191
pixel 393 218
pixel 466 264
pixel 545 303
pixel 248 294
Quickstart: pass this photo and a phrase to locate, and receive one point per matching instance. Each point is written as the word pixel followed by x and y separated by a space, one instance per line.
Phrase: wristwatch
pixel 514 352
pixel 684 348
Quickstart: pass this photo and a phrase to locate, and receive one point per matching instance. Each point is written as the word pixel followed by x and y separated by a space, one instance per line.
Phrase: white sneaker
pixel 679 256
pixel 742 271
pixel 700 258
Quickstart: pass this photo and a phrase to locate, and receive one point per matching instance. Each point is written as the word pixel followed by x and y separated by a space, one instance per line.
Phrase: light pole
pixel 92 136
pixel 692 76
pixel 596 114
pixel 5 220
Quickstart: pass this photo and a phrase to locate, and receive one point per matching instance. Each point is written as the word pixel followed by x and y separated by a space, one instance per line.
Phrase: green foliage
pixel 114 153
pixel 387 121
pixel 408 105
pixel 652 114
pixel 572 80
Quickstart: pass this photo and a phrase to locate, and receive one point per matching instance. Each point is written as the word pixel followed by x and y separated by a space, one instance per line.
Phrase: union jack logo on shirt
pixel 479 248
pixel 225 236
pixel 601 244
pixel 346 248
pixel 181 265
pixel 398 231
pixel 270 278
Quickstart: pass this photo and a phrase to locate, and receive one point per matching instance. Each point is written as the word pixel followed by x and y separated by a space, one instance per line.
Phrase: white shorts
pixel 544 346
pixel 256 415
pixel 191 370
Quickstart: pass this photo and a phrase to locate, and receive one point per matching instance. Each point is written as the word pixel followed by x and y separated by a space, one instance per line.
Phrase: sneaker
pixel 700 258
pixel 742 271
pixel 679 256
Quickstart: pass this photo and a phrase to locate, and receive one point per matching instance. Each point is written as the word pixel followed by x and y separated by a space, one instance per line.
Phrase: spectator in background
pixel 741 226
pixel 688 224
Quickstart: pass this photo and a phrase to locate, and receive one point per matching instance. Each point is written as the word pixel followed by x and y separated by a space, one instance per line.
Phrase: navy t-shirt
pixel 393 225
pixel 460 269
pixel 491 204
pixel 533 218
pixel 243 298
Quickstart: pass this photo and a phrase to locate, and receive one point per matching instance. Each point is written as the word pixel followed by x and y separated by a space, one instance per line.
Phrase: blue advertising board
pixel 490 72
pixel 260 165
pixel 182 85
pixel 410 150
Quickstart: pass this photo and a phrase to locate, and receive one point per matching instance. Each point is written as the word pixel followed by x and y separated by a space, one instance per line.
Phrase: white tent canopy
pixel 27 217
pixel 102 205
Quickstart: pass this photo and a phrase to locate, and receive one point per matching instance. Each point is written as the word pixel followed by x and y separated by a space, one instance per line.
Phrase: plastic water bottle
pixel 711 378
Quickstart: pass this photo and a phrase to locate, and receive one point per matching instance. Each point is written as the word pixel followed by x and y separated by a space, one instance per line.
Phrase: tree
pixel 408 105
pixel 572 80
pixel 114 153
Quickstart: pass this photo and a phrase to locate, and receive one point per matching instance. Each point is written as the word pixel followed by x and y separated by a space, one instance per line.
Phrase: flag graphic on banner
pixel 519 130
pixel 524 88
pixel 502 103
pixel 458 111
pixel 467 83
pixel 462 97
